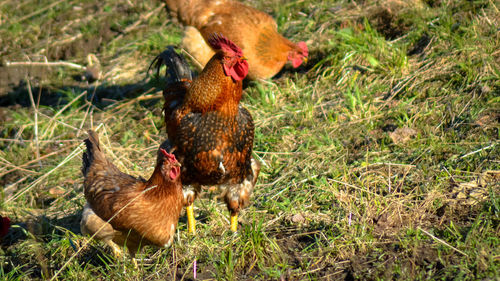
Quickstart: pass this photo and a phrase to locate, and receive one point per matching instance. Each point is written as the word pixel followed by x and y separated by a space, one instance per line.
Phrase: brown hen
pixel 255 32
pixel 124 210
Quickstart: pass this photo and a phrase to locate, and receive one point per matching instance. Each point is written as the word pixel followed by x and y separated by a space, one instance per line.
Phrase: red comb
pixel 171 157
pixel 219 42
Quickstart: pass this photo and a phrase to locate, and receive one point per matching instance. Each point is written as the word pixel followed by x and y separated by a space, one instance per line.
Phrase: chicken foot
pixel 237 196
pixel 117 250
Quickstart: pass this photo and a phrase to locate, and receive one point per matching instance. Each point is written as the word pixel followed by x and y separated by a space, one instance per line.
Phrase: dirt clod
pixel 402 135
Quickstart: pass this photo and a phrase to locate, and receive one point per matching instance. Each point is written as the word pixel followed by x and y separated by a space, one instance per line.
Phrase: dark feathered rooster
pixel 210 132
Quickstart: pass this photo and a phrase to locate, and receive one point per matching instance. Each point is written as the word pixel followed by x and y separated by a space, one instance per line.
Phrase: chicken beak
pixel 177 164
pixel 305 59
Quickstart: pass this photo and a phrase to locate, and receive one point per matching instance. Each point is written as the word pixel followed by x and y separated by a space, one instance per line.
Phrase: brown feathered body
pixel 210 132
pixel 139 211
pixel 254 31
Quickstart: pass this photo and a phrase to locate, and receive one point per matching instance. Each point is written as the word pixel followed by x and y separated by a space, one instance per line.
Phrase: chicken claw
pixel 117 251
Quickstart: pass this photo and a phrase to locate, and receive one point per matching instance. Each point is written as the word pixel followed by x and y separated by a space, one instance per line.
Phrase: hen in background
pixel 255 32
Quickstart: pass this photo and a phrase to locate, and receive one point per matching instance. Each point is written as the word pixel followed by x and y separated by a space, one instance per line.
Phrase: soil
pixel 75 50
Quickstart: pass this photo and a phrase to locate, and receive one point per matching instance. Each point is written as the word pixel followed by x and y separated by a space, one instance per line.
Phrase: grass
pixel 381 155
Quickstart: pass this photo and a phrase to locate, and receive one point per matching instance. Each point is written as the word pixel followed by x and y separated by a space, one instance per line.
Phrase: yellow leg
pixel 234 222
pixel 191 221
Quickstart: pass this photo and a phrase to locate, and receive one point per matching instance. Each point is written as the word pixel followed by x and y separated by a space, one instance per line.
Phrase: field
pixel 380 155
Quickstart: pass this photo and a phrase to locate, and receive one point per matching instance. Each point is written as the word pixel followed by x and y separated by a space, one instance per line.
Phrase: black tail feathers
pixel 177 68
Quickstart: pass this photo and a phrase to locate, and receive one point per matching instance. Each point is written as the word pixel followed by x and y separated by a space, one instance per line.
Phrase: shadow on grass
pixel 100 96
pixel 37 234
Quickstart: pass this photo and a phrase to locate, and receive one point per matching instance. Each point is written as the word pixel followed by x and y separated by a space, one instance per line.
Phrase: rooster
pixel 210 132
pixel 254 31
pixel 124 210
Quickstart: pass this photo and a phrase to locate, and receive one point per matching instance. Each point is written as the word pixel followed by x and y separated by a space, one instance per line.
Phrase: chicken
pixel 254 31
pixel 210 132
pixel 124 210
pixel 4 226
